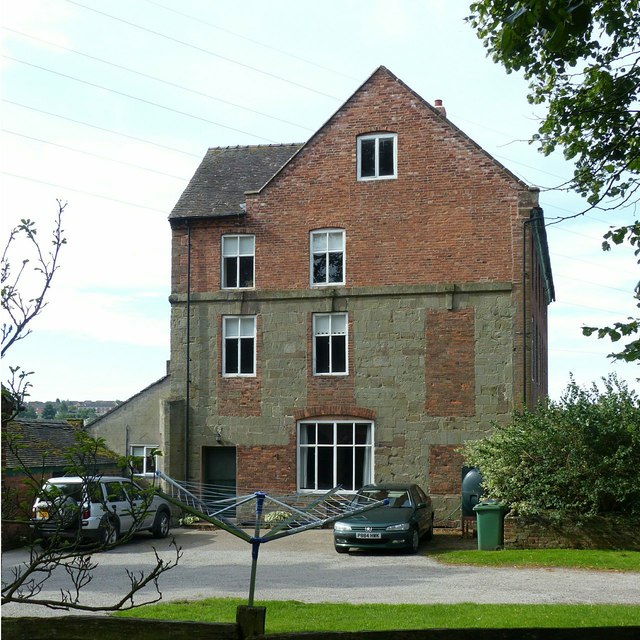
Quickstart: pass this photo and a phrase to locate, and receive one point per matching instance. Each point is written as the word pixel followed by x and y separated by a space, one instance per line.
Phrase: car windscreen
pixel 397 498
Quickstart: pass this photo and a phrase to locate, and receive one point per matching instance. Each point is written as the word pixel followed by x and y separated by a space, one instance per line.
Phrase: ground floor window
pixel 144 460
pixel 334 452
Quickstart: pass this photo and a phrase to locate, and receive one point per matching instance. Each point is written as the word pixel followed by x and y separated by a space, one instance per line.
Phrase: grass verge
pixel 565 558
pixel 292 616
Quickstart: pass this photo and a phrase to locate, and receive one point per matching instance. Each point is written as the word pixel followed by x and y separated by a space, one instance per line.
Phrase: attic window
pixel 377 157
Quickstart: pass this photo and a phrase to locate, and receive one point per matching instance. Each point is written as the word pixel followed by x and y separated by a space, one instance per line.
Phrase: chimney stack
pixel 440 109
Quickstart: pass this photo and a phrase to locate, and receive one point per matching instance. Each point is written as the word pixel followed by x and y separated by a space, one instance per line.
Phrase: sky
pixel 111 106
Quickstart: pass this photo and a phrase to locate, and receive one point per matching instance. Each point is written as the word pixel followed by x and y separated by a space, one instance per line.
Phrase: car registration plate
pixel 42 515
pixel 366 535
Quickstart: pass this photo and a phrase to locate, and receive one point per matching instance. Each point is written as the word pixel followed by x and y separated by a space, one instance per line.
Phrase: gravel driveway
pixel 305 567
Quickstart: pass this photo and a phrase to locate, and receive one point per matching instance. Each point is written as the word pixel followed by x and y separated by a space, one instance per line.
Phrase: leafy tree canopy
pixel 581 57
pixel 630 328
pixel 575 458
pixel 582 60
pixel 49 411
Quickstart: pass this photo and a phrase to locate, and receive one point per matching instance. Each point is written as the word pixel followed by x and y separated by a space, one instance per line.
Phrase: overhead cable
pixel 207 51
pixel 156 79
pixel 143 100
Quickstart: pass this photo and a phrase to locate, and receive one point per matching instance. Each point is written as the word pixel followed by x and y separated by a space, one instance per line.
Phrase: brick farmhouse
pixel 354 308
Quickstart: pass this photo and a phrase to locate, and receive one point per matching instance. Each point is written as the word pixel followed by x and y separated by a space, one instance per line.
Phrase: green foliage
pixel 619 330
pixel 28 414
pixel 49 411
pixel 58 410
pixel 274 517
pixel 581 59
pixel 576 458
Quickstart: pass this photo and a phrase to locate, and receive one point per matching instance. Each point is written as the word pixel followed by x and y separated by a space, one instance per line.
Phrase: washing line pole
pixel 255 546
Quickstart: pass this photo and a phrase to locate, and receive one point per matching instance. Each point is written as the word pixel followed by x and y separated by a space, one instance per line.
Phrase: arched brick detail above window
pixel 335 410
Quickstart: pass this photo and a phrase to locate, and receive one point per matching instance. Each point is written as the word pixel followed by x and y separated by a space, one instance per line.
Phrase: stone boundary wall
pixel 600 533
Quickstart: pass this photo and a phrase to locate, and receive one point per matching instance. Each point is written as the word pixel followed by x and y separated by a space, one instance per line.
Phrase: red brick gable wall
pixel 451 214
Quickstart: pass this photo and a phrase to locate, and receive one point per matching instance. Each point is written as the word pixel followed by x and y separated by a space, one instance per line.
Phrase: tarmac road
pixel 305 567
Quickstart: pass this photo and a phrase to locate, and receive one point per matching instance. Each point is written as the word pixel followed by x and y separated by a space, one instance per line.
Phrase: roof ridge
pixel 258 146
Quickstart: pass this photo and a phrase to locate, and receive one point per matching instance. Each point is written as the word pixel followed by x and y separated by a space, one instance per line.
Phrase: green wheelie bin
pixel 490 515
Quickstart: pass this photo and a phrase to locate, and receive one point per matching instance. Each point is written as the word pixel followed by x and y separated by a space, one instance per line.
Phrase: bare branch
pixel 22 310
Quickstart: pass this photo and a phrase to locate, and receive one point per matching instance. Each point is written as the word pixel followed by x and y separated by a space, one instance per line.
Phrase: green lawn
pixel 570 558
pixel 291 616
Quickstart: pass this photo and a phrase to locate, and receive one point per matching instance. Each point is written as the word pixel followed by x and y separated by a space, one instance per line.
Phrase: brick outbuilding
pixel 353 308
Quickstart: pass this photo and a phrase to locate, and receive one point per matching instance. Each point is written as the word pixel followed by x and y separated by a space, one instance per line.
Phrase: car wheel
pixel 415 541
pixel 161 524
pixel 429 534
pixel 108 532
pixel 341 549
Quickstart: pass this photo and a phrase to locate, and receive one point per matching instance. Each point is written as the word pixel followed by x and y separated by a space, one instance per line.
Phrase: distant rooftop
pixel 44 443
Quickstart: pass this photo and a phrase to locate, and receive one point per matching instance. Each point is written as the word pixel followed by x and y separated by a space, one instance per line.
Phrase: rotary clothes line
pixel 281 514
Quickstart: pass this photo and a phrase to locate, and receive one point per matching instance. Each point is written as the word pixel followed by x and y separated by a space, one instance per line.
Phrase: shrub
pixel 577 457
pixel 275 517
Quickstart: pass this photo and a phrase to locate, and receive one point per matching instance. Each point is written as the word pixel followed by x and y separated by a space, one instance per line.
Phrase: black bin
pixel 471 492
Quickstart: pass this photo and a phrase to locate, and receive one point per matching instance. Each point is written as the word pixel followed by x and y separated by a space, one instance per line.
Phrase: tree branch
pixel 21 311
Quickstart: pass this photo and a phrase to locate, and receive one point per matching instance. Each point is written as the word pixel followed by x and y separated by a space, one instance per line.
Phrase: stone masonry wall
pixel 599 533
pixel 136 422
pixel 387 384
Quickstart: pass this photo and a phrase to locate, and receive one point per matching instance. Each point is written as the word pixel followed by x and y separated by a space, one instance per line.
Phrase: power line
pixel 576 233
pixel 586 216
pixel 203 50
pixel 95 155
pixel 580 351
pixel 288 54
pixel 590 282
pixel 156 79
pixel 143 100
pixel 528 166
pixel 209 96
pixel 583 306
pixel 86 193
pixel 94 126
pixel 594 264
